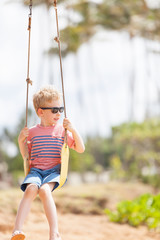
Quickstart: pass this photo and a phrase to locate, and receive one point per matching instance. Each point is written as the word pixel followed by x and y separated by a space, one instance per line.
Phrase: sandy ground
pixel 81 227
pixel 72 226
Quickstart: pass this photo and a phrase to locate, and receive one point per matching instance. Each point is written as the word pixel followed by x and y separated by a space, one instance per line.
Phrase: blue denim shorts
pixel 39 177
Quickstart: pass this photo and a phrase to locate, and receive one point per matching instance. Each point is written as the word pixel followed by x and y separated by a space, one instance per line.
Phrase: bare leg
pixel 25 205
pixel 50 209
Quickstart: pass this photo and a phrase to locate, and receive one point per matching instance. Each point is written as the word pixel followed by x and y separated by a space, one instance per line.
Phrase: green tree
pixel 137 146
pixel 135 17
pixel 10 137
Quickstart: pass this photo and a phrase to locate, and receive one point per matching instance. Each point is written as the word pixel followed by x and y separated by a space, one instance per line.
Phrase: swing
pixel 65 148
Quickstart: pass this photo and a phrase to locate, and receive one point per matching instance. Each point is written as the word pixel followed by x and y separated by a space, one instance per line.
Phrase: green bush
pixel 142 210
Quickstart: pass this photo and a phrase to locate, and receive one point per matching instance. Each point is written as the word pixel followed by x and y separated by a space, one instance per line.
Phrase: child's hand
pixel 23 134
pixel 68 125
pixel 78 145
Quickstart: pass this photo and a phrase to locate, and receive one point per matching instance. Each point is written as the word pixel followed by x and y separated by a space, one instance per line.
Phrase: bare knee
pixel 45 190
pixel 31 191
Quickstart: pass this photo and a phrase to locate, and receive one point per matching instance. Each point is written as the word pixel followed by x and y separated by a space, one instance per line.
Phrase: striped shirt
pixel 46 144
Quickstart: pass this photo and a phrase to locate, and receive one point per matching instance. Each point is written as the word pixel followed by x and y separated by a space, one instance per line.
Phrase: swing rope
pixel 65 149
pixel 57 39
pixel 28 65
pixel 26 156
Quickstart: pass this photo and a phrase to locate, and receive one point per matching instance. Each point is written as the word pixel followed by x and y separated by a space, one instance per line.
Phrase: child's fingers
pixel 65 124
pixel 66 121
pixel 26 132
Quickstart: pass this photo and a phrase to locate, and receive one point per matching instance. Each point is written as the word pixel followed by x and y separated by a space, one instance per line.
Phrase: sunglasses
pixel 54 109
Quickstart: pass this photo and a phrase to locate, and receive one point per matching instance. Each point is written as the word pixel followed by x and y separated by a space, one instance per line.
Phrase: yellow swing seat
pixel 64 165
pixel 26 161
pixel 26 166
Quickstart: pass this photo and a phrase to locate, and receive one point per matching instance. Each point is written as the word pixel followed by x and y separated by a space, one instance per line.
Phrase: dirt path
pixel 72 226
pixel 79 227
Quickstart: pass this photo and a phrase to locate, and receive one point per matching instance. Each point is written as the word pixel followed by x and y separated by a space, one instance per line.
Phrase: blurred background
pixel 111 55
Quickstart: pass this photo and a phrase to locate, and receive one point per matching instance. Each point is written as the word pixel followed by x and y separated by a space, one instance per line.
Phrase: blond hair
pixel 45 94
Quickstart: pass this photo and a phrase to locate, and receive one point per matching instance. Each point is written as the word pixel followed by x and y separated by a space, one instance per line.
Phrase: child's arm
pixel 22 141
pixel 79 145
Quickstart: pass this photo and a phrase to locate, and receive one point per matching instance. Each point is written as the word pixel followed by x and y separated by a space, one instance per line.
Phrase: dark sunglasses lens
pixel 61 109
pixel 54 110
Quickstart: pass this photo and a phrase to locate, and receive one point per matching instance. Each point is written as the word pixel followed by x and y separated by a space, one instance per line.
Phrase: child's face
pixel 47 117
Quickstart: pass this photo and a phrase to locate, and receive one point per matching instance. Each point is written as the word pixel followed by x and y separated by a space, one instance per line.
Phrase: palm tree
pixel 134 17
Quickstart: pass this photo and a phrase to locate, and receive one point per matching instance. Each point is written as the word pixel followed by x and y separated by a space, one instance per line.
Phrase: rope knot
pixel 28 80
pixel 55 3
pixel 57 39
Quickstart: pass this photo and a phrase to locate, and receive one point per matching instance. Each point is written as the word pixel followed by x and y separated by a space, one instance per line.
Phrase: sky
pixel 97 78
pixel 153 3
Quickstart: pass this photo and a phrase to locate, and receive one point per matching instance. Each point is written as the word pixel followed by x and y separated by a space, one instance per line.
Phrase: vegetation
pixel 134 17
pixel 131 152
pixel 136 150
pixel 10 139
pixel 142 210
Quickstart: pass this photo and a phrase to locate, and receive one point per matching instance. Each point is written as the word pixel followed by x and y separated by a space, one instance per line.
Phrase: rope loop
pixel 55 4
pixel 28 80
pixel 57 39
pixel 30 8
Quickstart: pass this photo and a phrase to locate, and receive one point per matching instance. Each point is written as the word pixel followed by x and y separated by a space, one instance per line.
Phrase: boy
pixel 44 146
